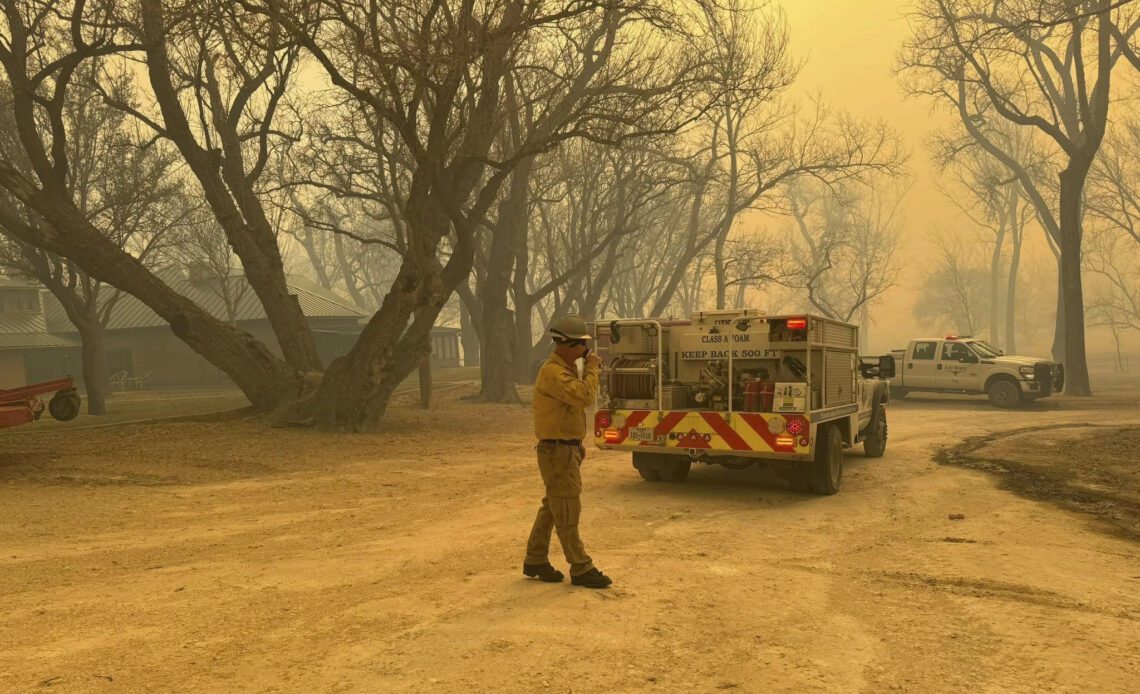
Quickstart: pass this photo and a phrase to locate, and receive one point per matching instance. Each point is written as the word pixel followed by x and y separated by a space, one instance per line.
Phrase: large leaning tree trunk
pixel 432 73
pixel 227 181
pixel 40 62
pixel 265 379
pixel 450 188
pixel 356 388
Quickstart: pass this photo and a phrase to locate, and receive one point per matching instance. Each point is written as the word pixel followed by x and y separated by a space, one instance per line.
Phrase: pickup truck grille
pixel 1050 376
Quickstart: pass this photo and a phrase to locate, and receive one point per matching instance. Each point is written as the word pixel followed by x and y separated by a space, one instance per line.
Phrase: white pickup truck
pixel 955 364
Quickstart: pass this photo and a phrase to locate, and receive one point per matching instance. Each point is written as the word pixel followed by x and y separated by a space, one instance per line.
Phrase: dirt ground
pixel 233 557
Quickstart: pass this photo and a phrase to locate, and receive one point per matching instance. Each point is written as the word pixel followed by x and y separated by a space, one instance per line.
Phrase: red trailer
pixel 20 405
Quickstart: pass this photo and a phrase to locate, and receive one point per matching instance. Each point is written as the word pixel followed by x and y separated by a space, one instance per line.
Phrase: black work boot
pixel 592 579
pixel 543 572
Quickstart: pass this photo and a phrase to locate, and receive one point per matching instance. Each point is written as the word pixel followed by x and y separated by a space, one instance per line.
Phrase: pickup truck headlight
pixel 1026 372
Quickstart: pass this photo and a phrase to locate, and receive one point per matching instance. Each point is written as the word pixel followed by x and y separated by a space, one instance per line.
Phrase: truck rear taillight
pixel 612 435
pixel 602 419
pixel 796 426
pixel 797 323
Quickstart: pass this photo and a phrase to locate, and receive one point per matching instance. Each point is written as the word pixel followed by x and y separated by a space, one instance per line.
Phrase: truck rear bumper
pixel 710 456
pixel 700 433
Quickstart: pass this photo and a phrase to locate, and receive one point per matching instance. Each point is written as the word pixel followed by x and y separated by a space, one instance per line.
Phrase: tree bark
pixel 357 387
pixel 995 278
pixel 500 358
pixel 1058 350
pixel 95 376
pixel 1076 367
pixel 1011 293
pixel 469 329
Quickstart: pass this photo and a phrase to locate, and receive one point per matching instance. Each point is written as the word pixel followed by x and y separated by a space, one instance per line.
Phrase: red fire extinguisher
pixel 758 396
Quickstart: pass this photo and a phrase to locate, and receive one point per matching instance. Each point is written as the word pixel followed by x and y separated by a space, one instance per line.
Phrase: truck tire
pixel 646 466
pixel 1004 393
pixel 875 438
pixel 825 473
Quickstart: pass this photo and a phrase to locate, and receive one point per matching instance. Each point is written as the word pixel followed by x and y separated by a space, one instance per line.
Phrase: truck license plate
pixel 641 434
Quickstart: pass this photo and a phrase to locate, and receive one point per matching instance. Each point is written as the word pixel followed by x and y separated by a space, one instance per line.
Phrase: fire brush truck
pixel 738 388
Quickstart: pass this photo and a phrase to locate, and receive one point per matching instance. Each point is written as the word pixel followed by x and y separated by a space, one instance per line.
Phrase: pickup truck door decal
pixel 958 367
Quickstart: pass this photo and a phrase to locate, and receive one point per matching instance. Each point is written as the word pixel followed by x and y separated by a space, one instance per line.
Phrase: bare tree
pixel 753 262
pixel 995 201
pixel 590 202
pixel 1113 194
pixel 1042 64
pixel 845 240
pixel 434 75
pixel 129 189
pixel 1113 261
pixel 753 140
pixel 235 67
pixel 42 48
pixel 605 65
pixel 952 295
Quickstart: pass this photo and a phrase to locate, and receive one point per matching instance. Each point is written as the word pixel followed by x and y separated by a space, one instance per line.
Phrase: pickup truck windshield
pixel 984 349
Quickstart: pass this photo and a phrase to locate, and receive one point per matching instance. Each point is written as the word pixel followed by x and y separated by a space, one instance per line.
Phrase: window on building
pixel 19 300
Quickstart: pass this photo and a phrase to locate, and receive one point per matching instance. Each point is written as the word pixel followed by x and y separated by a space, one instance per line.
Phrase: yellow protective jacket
pixel 561 399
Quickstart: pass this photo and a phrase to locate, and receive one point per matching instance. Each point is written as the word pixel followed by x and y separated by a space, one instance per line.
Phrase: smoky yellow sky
pixel 850 47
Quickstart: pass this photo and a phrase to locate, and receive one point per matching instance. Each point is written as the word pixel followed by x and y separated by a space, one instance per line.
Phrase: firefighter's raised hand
pixel 594 359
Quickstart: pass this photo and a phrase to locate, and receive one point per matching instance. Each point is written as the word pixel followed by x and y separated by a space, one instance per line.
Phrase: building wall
pixel 445 349
pixel 166 359
pixel 50 364
pixel 11 370
pixel 171 363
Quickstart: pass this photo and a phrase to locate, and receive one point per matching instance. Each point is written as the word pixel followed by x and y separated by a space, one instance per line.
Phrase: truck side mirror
pixel 886 366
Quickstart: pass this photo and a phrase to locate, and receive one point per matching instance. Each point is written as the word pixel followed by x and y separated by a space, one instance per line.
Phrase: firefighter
pixel 560 402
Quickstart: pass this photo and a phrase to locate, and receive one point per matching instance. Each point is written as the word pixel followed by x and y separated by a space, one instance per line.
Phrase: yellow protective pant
pixel 560 466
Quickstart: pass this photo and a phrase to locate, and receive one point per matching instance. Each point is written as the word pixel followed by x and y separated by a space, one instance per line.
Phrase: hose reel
pixel 633 378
